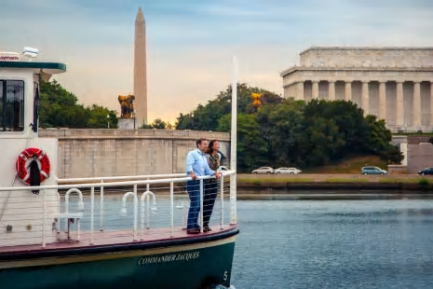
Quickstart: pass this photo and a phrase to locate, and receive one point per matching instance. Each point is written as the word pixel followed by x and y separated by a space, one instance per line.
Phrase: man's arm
pixel 190 160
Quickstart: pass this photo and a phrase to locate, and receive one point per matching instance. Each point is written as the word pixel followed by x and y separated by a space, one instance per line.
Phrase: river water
pixel 346 244
pixel 334 244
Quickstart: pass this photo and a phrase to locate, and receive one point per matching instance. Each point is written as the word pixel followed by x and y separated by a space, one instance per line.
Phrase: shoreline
pixel 334 197
pixel 334 187
pixel 319 182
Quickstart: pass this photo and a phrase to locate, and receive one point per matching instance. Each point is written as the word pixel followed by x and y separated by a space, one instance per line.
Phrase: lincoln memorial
pixel 393 83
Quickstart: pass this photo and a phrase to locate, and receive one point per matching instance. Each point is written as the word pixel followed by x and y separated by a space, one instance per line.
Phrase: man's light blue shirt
pixel 196 161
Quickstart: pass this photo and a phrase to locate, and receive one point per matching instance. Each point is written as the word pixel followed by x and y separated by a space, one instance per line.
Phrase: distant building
pixel 393 83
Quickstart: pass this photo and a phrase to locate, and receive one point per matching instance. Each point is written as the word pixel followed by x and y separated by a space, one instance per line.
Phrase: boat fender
pixel 37 171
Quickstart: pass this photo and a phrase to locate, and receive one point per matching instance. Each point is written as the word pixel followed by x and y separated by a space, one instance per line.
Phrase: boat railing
pixel 157 211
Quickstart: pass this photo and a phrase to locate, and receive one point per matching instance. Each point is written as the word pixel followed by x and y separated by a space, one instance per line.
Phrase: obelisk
pixel 140 76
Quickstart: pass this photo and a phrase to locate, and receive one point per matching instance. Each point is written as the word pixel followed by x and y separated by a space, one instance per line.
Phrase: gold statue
pixel 256 99
pixel 126 105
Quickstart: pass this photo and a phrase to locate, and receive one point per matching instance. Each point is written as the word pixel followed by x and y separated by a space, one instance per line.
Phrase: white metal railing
pixel 141 214
pixel 147 177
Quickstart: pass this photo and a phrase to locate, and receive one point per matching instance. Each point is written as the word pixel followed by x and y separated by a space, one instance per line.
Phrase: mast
pixel 233 143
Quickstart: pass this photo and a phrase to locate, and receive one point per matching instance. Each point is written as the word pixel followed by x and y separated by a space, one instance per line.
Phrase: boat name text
pixel 169 258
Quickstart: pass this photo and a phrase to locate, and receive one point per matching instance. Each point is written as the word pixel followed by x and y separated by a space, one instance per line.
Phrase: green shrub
pixel 423 183
pixel 257 183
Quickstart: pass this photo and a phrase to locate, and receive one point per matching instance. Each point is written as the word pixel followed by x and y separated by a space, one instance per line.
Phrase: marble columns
pixel 417 105
pixel 331 90
pixel 315 93
pixel 382 100
pixel 365 102
pixel 400 104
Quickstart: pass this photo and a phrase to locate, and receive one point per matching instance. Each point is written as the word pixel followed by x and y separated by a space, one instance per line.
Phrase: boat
pixel 71 233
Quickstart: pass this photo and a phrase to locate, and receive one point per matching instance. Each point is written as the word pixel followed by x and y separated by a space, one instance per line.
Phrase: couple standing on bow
pixel 203 161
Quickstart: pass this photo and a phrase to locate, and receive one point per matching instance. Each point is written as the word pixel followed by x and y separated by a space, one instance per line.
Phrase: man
pixel 197 166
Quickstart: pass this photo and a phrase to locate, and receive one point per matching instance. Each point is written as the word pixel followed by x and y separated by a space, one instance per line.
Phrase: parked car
pixel 263 170
pixel 373 171
pixel 426 171
pixel 284 170
pixel 223 168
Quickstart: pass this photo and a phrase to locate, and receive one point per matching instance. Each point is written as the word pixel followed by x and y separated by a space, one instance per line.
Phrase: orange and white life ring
pixel 43 162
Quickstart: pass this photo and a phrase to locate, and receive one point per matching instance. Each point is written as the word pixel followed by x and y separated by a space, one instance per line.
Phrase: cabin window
pixel 11 105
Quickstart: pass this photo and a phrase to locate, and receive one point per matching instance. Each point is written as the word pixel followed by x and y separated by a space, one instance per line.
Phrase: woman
pixel 211 185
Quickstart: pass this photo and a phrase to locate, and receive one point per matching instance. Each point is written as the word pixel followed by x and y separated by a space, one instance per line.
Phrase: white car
pixel 263 170
pixel 283 170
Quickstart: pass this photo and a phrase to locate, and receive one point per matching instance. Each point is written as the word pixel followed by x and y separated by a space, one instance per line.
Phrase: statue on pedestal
pixel 126 105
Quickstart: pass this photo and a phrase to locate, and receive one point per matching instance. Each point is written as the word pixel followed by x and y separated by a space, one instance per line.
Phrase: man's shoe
pixel 193 231
pixel 207 229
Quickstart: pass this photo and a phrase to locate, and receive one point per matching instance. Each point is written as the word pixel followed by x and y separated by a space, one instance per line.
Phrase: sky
pixel 190 43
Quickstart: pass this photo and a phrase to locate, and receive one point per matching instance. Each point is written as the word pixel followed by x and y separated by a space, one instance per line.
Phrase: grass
pixel 398 180
pixel 255 181
pixel 346 180
pixel 424 182
pixel 414 134
pixel 351 165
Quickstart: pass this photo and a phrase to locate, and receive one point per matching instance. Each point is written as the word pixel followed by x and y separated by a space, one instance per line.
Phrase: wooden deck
pixel 106 238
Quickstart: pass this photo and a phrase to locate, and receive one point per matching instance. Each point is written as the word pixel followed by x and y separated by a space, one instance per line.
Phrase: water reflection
pixel 334 244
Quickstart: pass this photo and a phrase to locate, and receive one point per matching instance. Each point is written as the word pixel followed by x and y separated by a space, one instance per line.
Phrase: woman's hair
pixel 210 145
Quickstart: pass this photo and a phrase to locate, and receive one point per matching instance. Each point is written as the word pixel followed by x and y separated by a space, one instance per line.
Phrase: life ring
pixel 43 161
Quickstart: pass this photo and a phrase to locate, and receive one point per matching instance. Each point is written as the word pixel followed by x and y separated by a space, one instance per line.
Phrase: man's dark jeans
pixel 193 188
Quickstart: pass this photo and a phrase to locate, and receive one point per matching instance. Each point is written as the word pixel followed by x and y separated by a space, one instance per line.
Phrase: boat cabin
pixel 19 106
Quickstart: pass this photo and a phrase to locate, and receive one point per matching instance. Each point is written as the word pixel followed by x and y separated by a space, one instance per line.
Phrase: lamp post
pixel 108 121
pixel 133 116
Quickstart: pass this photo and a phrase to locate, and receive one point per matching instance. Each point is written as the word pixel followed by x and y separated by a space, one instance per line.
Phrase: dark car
pixel 427 171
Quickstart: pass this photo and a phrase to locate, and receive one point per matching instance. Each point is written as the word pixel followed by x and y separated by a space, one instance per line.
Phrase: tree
pixel 347 117
pixel 321 141
pixel 158 124
pixel 289 132
pixel 252 149
pixel 282 126
pixel 98 117
pixel 206 117
pixel 378 141
pixel 60 108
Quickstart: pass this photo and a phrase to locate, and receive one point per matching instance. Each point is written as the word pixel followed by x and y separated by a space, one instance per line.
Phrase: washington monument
pixel 140 75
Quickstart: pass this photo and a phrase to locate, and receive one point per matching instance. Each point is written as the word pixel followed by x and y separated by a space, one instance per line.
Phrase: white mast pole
pixel 233 144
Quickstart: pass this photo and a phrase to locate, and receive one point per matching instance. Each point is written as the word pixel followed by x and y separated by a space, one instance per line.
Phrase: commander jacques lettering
pixel 169 258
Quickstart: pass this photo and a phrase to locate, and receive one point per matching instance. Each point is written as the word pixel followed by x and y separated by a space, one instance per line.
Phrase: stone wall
pixel 112 152
pixel 418 149
pixel 420 153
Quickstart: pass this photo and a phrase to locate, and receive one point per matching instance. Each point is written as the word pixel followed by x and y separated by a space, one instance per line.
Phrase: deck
pixel 114 237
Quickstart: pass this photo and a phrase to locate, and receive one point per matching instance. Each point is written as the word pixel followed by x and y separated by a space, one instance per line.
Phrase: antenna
pixel 30 52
